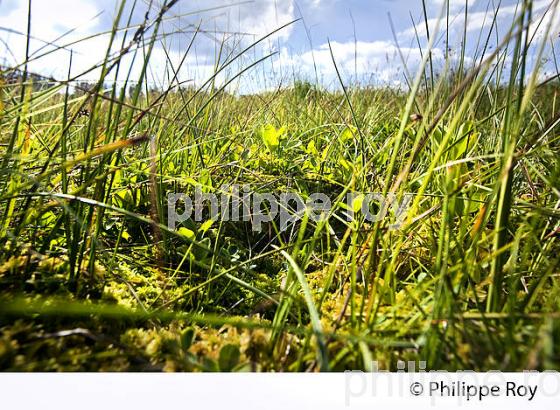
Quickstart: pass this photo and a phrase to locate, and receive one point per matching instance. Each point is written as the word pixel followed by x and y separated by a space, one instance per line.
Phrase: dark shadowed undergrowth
pixel 91 278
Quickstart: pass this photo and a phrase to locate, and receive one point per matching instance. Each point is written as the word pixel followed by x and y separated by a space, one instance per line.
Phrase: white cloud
pixel 255 18
pixel 52 18
pixel 476 20
pixel 376 61
pixel 49 20
pixel 545 18
pixel 320 3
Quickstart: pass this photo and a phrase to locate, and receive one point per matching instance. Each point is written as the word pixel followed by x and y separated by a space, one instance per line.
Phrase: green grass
pixel 91 278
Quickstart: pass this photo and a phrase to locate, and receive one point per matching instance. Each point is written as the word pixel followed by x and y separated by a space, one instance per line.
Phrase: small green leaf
pixel 357 203
pixel 311 149
pixel 271 136
pixel 186 232
pixel 229 357
pixel 125 235
pixel 206 225
pixel 187 338
pixel 347 135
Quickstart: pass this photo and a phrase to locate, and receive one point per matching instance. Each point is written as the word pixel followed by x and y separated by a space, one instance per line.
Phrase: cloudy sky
pixel 359 32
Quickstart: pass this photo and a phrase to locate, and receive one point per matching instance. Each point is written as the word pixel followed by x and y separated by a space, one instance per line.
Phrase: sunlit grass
pixel 92 278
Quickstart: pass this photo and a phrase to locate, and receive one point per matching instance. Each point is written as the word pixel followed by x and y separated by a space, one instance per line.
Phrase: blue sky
pixel 359 32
